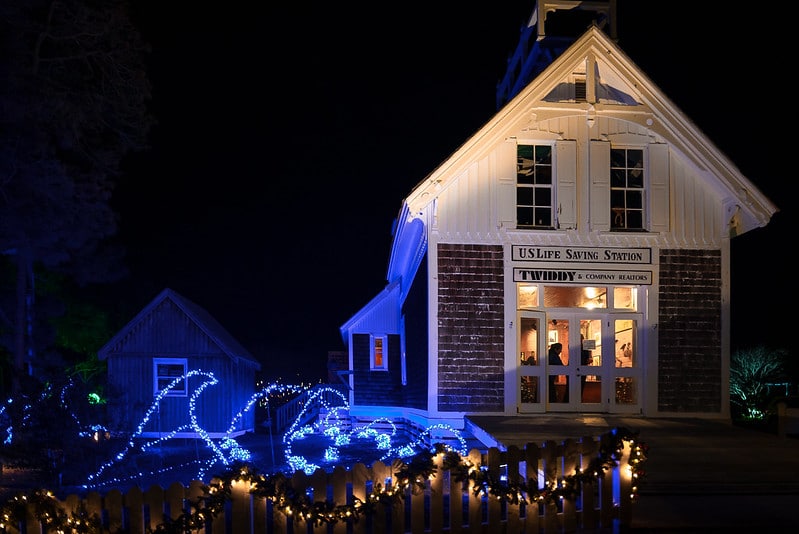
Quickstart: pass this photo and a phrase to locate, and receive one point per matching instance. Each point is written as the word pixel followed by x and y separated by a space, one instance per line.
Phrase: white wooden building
pixel 590 212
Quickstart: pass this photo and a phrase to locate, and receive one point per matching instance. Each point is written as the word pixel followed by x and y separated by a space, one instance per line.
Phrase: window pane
pixel 635 220
pixel 543 197
pixel 173 370
pixel 635 178
pixel 626 390
pixel 624 298
pixel 543 217
pixel 163 383
pixel 591 342
pixel 543 154
pixel 529 389
pixel 635 199
pixel 575 297
pixel 557 337
pixel 591 389
pixel 618 221
pixel 378 352
pixel 618 178
pixel 543 175
pixel 625 343
pixel 528 298
pixel 635 159
pixel 524 216
pixel 525 196
pixel 525 179
pixel 618 157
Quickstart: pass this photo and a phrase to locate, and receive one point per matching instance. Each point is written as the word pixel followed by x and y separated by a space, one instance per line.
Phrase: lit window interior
pixel 527 296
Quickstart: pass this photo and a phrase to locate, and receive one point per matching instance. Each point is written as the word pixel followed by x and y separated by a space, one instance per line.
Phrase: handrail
pixel 289 412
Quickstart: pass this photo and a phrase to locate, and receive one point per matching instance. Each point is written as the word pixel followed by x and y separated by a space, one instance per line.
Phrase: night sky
pixel 289 134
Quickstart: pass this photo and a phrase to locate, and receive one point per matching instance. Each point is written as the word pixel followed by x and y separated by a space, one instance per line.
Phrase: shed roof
pixel 204 321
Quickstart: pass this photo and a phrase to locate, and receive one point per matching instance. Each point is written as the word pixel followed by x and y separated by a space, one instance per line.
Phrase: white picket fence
pixel 445 504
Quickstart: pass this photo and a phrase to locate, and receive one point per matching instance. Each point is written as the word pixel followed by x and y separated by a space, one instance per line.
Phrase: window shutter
pixel 659 187
pixel 599 177
pixel 566 176
pixel 506 183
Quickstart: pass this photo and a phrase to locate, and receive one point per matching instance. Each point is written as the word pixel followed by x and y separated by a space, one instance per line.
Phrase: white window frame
pixel 552 186
pixel 644 190
pixel 374 365
pixel 160 382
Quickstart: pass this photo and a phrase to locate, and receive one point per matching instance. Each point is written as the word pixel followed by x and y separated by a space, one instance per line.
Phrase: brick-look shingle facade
pixel 470 328
pixel 689 339
pixel 378 388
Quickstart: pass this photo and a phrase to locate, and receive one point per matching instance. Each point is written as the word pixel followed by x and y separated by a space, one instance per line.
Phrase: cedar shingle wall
pixel 376 388
pixel 470 328
pixel 689 339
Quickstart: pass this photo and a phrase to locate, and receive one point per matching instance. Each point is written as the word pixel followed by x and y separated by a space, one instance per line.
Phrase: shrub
pixel 751 372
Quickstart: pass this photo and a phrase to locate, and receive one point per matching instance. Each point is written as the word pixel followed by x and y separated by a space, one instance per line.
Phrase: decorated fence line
pixel 571 486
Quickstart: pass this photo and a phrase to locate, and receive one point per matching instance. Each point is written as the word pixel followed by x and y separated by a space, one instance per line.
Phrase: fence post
pixel 532 512
pixel 588 492
pixel 475 502
pixel 495 459
pixel 512 512
pixel 570 454
pixel 437 491
pixel 624 477
pixel 550 462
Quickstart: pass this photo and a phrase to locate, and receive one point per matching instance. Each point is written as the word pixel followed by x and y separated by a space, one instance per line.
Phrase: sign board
pixel 582 254
pixel 582 276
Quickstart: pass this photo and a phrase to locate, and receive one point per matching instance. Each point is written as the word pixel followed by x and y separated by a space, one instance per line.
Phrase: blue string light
pixel 332 425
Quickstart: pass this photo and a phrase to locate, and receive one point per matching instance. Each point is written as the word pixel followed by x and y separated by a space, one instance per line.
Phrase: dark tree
pixel 73 104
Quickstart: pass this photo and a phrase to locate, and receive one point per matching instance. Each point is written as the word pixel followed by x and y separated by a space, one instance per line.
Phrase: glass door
pixel 530 366
pixel 626 370
pixel 577 368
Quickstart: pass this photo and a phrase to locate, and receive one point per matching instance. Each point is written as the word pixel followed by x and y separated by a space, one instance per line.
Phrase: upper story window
pixel 166 371
pixel 379 353
pixel 535 195
pixel 627 189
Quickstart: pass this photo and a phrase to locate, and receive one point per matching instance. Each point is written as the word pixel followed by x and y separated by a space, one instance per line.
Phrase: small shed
pixel 174 338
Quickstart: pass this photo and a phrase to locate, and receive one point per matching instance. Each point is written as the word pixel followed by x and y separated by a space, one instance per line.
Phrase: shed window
pixel 165 372
pixel 379 354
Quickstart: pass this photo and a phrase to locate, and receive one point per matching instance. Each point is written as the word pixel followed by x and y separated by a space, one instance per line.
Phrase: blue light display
pixel 332 425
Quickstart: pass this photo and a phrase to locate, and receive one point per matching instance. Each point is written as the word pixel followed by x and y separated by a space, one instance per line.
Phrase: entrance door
pixel 575 371
pixel 530 390
pixel 597 369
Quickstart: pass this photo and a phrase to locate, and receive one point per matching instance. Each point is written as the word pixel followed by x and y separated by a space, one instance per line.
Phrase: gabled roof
pixel 623 88
pixel 198 315
pixel 386 299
